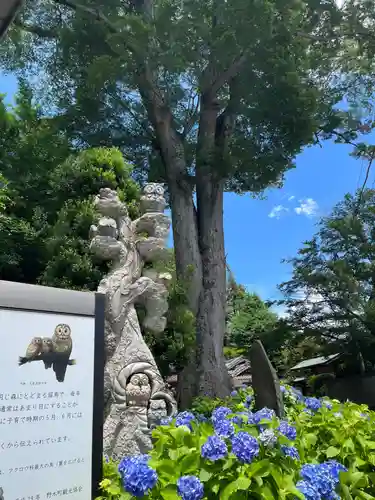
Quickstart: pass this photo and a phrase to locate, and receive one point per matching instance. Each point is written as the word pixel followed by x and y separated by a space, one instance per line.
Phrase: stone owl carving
pixel 62 347
pixel 32 351
pixel 138 390
pixel 47 350
pixel 152 199
pixel 157 411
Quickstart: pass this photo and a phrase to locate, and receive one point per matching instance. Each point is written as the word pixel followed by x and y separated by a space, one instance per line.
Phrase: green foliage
pixel 248 317
pixel 185 46
pixel 331 294
pixel 46 194
pixel 335 431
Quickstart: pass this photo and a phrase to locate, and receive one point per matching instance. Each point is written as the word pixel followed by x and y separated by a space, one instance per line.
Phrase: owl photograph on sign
pixel 53 351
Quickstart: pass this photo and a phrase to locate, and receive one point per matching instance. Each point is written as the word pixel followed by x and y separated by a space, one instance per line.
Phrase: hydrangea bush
pixel 321 450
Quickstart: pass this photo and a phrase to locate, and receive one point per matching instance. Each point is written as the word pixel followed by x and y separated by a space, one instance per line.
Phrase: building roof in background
pixel 237 368
pixel 8 11
pixel 321 360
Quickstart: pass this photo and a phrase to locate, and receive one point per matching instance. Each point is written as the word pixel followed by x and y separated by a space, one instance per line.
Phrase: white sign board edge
pixel 50 431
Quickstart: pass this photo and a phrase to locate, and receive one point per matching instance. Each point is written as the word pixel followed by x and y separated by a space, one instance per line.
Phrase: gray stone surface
pixel 265 381
pixel 135 394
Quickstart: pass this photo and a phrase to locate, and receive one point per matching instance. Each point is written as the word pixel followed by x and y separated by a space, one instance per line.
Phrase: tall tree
pixel 331 295
pixel 213 96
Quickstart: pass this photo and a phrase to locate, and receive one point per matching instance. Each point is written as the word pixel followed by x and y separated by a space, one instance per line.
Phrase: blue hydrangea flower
pixel 282 389
pixel 250 417
pixel 166 421
pixel 137 477
pixel 184 418
pixel 290 451
pixel 190 488
pixel 220 413
pixel 234 393
pixel 237 419
pixel 263 414
pixel 214 449
pixel 335 468
pixel 128 462
pixel 308 490
pixel 201 418
pixel 328 405
pixel 323 477
pixel 245 447
pixel 224 428
pixel 287 430
pixel 313 404
pixel 248 401
pixel 268 438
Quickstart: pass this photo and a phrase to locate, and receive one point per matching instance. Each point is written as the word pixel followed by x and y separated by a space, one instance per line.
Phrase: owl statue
pixel 33 350
pixel 152 199
pixel 156 412
pixel 62 347
pixel 138 390
pixel 1 494
pixel 47 350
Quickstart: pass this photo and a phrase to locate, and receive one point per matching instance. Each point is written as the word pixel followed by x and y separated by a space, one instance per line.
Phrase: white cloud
pixel 291 198
pixel 277 211
pixel 308 207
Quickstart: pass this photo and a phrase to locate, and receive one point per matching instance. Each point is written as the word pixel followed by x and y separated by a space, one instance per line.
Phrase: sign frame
pixel 35 298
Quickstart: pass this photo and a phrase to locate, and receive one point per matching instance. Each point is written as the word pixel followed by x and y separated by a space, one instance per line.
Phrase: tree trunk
pixel 214 380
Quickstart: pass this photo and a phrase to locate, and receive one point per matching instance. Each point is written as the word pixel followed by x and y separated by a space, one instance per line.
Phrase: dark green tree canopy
pixel 331 295
pixel 271 77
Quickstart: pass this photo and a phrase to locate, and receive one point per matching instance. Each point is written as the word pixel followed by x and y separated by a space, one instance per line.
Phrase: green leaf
pixel 189 463
pixel 125 496
pixel 332 452
pixel 310 440
pixel 170 493
pixel 241 483
pixel 204 475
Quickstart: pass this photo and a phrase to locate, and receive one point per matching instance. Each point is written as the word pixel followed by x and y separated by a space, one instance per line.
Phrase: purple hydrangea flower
pixel 290 451
pixel 268 438
pixel 283 389
pixel 224 428
pixel 190 488
pixel 287 430
pixel 184 418
pixel 308 490
pixel 214 449
pixel 234 393
pixel 137 477
pixel 245 447
pixel 313 404
pixel 263 414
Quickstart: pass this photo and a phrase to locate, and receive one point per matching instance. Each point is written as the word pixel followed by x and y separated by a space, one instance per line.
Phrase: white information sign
pixel 46 405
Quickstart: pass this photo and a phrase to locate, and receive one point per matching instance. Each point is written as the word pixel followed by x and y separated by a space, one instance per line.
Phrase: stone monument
pixel 265 381
pixel 135 396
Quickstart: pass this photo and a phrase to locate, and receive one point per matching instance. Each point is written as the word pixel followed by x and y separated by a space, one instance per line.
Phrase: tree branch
pixel 35 30
pixel 226 76
pixel 96 13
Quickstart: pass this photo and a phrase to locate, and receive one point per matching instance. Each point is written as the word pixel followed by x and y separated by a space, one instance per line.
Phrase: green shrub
pixel 322 449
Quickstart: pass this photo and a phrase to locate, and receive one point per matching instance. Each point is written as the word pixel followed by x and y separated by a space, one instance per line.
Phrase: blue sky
pixel 260 233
